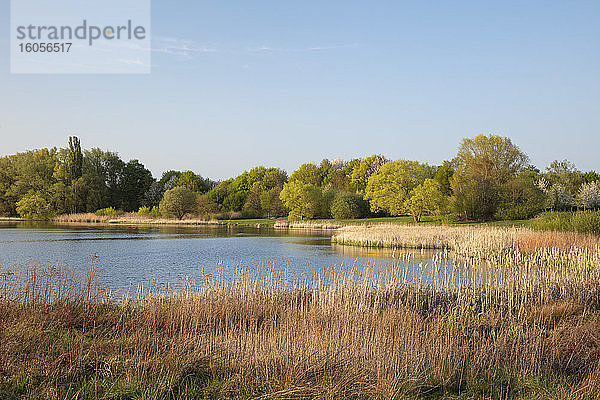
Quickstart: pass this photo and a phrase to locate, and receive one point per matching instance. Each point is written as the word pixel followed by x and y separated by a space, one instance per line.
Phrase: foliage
pixel 303 200
pixel 178 202
pixel 443 176
pixel 135 182
pixel 75 158
pixel 521 197
pixel 589 196
pixel 389 189
pixel 368 167
pixel 271 203
pixel 205 205
pixel 34 207
pixel 144 211
pixel 580 221
pixel 484 164
pixel 349 206
pixel 193 182
pixel 109 212
pixel 426 199
pixel 308 174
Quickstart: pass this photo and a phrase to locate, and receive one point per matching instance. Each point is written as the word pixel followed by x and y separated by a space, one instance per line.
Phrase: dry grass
pixel 314 225
pixel 131 218
pixel 529 331
pixel 466 239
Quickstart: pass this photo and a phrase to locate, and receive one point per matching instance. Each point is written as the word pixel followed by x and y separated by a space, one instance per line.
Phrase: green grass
pixel 580 221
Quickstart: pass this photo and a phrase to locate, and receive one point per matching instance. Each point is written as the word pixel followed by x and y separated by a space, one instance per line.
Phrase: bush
pixel 144 211
pixel 155 212
pixel 580 221
pixel 348 206
pixel 109 212
pixel 34 207
pixel 178 202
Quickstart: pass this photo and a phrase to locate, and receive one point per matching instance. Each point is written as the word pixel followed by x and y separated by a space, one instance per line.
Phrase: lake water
pixel 129 256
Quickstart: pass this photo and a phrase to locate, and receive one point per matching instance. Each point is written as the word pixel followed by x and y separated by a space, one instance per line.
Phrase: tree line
pixel 489 178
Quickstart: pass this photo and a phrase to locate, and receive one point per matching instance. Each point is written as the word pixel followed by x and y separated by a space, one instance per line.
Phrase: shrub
pixel 109 212
pixel 580 221
pixel 348 206
pixel 178 202
pixel 144 211
pixel 155 212
pixel 34 207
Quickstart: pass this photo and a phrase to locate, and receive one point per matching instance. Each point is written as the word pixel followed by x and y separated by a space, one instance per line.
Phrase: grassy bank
pixel 357 332
pixel 581 221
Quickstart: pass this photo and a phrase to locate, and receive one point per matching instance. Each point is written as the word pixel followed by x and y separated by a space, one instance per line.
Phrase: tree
pixel 135 183
pixel 565 173
pixel 368 167
pixel 75 158
pixel 193 182
pixel 443 176
pixel 271 203
pixel 308 174
pixel 589 196
pixel 206 206
pixel 484 164
pixel 591 176
pixel 178 202
pixel 252 206
pixel 34 207
pixel 427 198
pixel 349 206
pixel 303 200
pixel 388 190
pixel 521 197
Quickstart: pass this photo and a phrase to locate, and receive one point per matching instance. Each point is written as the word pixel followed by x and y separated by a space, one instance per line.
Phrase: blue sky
pixel 236 84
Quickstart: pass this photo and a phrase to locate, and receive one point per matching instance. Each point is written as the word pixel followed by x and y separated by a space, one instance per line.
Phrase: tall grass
pixel 516 324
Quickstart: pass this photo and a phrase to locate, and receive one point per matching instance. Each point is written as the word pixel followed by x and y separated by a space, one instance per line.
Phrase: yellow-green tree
pixel 425 199
pixel 389 189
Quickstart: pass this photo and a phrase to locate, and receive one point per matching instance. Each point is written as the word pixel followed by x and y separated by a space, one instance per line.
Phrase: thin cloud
pixel 179 47
pixel 269 49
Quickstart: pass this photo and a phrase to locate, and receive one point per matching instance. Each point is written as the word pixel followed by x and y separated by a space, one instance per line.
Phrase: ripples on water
pixel 130 257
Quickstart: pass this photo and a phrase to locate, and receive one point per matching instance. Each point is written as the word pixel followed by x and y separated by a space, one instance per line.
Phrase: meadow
pixel 523 321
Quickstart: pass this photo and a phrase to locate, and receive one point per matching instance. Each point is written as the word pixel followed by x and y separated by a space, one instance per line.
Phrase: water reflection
pixel 132 255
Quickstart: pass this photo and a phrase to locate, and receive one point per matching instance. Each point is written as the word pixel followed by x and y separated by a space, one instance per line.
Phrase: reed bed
pixel 465 239
pixel 315 225
pixel 131 218
pixel 515 325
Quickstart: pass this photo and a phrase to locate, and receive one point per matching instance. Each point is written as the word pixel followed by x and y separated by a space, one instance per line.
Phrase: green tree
pixel 349 206
pixel 271 203
pixel 302 199
pixel 193 182
pixel 75 158
pixel 484 164
pixel 443 176
pixel 426 199
pixel 34 207
pixel 253 207
pixel 178 202
pixel 522 197
pixel 591 176
pixel 388 190
pixel 135 183
pixel 308 174
pixel 368 167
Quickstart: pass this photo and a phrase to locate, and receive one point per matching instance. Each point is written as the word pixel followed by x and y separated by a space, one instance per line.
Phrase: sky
pixel 236 84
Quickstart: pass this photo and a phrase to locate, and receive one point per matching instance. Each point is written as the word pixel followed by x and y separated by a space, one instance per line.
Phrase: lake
pixel 130 256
